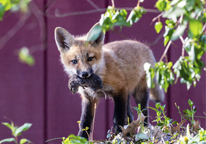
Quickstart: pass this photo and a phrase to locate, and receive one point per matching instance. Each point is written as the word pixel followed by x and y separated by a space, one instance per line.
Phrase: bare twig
pixel 58 14
pixel 157 39
pixel 166 59
pixel 183 49
pixel 4 39
pixel 120 34
pixel 93 4
pixel 48 5
pixel 204 26
pixel 157 17
pixel 112 3
pixel 166 49
pixel 39 18
pixel 92 132
pixel 138 3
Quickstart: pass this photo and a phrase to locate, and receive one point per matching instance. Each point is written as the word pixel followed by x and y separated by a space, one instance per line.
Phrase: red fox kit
pixel 118 64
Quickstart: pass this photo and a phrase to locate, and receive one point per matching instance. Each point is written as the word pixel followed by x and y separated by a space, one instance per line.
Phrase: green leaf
pixel 22 128
pixel 191 52
pixel 147 66
pixel 135 15
pixel 173 13
pixel 157 105
pixel 166 40
pixel 94 33
pixel 190 4
pixel 149 75
pixel 168 34
pixel 158 113
pixel 25 57
pixel 195 27
pixel 203 39
pixel 190 103
pixel 160 124
pixel 141 136
pixel 158 26
pixel 24 5
pixel 162 107
pixel 22 141
pixel 86 128
pixel 179 31
pixel 174 122
pixel 7 124
pixel 188 130
pixel 161 5
pixel 8 140
pixel 6 4
pixel 2 11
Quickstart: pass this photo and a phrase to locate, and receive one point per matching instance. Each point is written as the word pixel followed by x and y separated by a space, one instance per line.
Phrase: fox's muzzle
pixel 85 74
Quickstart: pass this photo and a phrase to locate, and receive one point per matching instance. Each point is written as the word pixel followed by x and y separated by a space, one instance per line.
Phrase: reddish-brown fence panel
pixel 64 108
pixel 21 86
pixel 40 94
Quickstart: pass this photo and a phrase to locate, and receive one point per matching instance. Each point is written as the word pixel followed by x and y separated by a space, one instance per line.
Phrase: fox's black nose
pixel 85 74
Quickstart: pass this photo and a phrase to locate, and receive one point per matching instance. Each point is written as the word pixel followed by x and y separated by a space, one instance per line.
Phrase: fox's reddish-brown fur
pixel 119 64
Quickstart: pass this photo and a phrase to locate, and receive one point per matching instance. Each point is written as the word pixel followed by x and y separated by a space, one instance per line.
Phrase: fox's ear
pixel 95 36
pixel 63 39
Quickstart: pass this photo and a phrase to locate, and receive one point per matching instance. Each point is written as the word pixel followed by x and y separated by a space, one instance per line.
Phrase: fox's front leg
pixel 120 110
pixel 87 115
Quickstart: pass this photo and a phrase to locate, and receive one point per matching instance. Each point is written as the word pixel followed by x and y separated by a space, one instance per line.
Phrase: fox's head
pixel 78 55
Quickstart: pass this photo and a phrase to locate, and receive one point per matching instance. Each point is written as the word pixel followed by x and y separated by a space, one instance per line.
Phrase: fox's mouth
pixel 84 74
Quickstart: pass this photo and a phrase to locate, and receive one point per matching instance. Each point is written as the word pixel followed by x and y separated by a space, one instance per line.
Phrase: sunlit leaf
pixel 158 26
pixel 190 103
pixel 135 15
pixel 2 10
pixel 179 31
pixel 22 128
pixel 195 27
pixel 149 75
pixel 23 141
pixel 161 5
pixel 173 13
pixel 7 124
pixel 8 140
pixel 25 56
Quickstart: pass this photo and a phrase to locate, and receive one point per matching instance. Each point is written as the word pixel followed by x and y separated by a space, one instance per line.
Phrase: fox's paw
pixel 73 86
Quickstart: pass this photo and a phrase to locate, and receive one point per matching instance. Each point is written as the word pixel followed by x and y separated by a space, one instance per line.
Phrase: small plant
pixel 72 139
pixel 16 132
pixel 162 120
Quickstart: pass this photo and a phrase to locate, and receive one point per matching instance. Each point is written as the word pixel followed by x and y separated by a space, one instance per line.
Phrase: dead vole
pixel 94 82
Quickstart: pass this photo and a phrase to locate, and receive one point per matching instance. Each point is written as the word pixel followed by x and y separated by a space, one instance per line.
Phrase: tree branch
pixel 183 50
pixel 93 4
pixel 58 14
pixel 113 3
pixel 166 49
pixel 13 30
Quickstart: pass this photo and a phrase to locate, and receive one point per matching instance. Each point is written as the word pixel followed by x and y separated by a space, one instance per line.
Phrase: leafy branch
pixel 184 20
pixel 16 132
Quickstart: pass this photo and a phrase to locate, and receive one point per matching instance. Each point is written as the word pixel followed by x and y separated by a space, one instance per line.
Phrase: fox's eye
pixel 90 59
pixel 74 61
